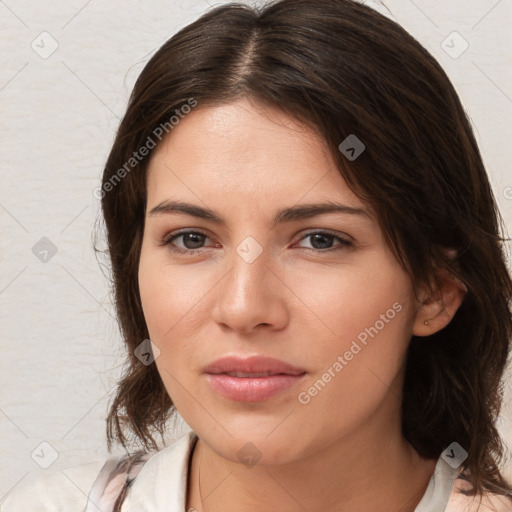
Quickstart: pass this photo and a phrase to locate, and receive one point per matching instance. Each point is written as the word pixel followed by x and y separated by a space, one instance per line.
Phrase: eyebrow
pixel 303 211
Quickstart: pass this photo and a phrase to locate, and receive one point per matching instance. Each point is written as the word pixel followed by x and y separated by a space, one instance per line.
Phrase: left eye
pixel 193 241
pixel 192 238
pixel 322 238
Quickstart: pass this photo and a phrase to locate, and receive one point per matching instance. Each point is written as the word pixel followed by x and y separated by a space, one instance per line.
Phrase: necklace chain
pixel 199 479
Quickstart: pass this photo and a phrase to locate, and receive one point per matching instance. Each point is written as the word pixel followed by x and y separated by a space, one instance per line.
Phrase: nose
pixel 251 296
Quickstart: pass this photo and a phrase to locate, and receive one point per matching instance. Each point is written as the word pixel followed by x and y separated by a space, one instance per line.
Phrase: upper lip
pixel 253 364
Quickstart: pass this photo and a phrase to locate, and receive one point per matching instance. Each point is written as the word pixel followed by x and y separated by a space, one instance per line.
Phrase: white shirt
pixel 162 483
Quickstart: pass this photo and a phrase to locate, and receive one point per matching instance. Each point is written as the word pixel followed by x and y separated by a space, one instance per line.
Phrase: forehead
pixel 247 153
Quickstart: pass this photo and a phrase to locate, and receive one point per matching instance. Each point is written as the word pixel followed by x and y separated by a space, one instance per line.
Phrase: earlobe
pixel 436 311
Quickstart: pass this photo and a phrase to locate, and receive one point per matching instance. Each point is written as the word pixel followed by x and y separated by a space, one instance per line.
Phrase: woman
pixel 299 219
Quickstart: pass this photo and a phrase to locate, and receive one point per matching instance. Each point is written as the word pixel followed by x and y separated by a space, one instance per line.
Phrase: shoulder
pixel 54 490
pixel 96 484
pixel 486 502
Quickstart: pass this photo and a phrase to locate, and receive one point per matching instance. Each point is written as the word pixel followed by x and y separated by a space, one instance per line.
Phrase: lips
pixel 254 374
pixel 254 366
pixel 253 379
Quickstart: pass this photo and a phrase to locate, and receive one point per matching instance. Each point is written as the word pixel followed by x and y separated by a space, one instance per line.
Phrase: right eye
pixel 191 241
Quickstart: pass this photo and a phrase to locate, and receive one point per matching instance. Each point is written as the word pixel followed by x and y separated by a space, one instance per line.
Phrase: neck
pixel 364 471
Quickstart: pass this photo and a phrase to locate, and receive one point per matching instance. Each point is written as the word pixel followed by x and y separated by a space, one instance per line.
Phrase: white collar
pixel 150 492
pixel 439 489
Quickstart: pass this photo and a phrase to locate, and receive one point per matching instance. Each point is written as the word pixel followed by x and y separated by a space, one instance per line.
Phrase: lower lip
pixel 251 389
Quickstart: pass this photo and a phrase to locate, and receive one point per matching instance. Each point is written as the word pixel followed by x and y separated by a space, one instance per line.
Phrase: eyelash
pixel 167 240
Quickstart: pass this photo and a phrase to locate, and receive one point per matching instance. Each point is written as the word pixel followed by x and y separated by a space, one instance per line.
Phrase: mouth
pixel 255 375
pixel 252 389
pixel 254 379
pixel 254 366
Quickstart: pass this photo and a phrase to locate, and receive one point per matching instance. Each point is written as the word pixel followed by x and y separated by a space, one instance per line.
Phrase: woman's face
pixel 322 293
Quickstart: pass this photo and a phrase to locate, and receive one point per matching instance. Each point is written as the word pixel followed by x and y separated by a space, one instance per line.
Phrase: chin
pixel 256 447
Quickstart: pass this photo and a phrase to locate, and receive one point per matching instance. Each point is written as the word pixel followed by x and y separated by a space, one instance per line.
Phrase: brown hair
pixel 342 68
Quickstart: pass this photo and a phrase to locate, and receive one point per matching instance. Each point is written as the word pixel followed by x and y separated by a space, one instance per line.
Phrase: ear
pixel 436 310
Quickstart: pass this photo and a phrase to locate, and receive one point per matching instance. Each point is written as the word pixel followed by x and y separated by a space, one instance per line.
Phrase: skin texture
pixel 343 450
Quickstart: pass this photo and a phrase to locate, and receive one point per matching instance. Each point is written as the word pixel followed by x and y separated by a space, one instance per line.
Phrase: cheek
pixel 341 303
pixel 171 300
pixel 171 295
pixel 364 316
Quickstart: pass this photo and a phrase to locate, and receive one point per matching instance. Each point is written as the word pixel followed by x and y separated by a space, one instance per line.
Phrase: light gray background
pixel 60 346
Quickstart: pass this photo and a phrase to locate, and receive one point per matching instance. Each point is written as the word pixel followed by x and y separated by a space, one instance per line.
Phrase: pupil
pixel 190 237
pixel 320 237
